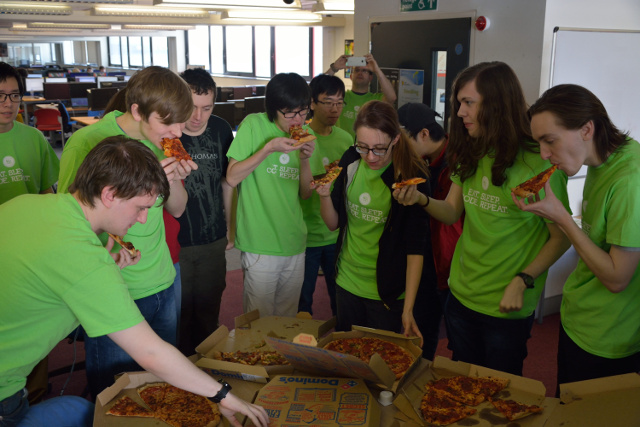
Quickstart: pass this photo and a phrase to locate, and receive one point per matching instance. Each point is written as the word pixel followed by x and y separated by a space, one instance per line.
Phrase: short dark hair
pixel 286 91
pixel 324 83
pixel 573 107
pixel 160 90
pixel 7 71
pixel 125 164
pixel 200 81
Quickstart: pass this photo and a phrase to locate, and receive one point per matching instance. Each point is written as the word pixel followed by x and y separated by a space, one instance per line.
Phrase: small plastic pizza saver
pixel 386 398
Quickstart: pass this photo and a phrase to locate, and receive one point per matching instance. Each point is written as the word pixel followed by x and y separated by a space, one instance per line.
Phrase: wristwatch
pixel 222 393
pixel 527 279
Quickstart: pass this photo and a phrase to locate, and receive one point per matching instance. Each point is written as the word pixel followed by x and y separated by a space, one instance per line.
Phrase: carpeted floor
pixel 539 365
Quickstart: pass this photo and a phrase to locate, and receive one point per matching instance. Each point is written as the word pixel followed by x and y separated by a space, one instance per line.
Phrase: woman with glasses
pixel 271 174
pixel 30 165
pixel 381 243
pixel 500 263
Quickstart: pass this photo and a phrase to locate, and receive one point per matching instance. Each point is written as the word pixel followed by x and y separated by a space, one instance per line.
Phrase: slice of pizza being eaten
pixel 300 135
pixel 514 410
pixel 327 178
pixel 406 182
pixel 127 245
pixel 174 148
pixel 532 186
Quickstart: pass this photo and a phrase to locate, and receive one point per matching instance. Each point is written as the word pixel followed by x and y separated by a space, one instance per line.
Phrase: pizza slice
pixel 272 358
pixel 471 391
pixel 327 178
pixel 300 135
pixel 127 407
pixel 514 410
pixel 332 165
pixel 153 394
pixel 532 186
pixel 174 148
pixel 181 408
pixel 406 182
pixel 127 245
pixel 439 409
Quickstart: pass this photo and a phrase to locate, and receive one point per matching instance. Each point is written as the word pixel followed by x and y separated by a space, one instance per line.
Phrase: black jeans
pixel 14 408
pixel 355 310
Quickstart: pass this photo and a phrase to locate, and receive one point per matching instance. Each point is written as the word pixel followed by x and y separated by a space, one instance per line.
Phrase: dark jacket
pixel 405 231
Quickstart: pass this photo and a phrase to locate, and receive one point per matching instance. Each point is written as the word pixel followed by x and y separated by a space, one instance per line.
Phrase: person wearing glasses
pixel 271 174
pixel 501 260
pixel 327 100
pixel 381 243
pixel 29 164
pixel 359 94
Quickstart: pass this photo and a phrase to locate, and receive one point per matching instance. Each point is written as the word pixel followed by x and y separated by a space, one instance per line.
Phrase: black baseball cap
pixel 415 116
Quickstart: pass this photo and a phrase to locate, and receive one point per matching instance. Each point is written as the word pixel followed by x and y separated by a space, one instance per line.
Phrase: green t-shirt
pixel 28 163
pixel 154 272
pixel 601 322
pixel 269 217
pixel 498 239
pixel 55 274
pixel 353 103
pixel 328 148
pixel 368 206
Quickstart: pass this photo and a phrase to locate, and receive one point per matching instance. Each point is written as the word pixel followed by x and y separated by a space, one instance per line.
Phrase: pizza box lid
pixel 318 401
pixel 599 402
pixel 249 335
pixel 317 360
pixel 127 384
pixel 521 389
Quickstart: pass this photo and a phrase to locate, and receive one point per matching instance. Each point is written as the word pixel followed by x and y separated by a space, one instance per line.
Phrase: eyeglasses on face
pixel 293 114
pixel 14 97
pixel 376 151
pixel 326 104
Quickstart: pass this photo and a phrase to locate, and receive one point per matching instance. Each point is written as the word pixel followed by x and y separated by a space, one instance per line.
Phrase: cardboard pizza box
pixel 250 334
pixel 318 401
pixel 609 401
pixel 521 389
pixel 316 360
pixel 127 384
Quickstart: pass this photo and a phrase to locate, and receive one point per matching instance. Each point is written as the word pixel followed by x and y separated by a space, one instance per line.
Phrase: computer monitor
pixel 32 75
pixel 34 84
pixel 99 98
pixel 117 84
pixel 86 79
pixel 55 79
pixel 102 79
pixel 126 78
pixel 80 102
pixel 79 90
pixel 56 91
pixel 116 73
pixel 78 74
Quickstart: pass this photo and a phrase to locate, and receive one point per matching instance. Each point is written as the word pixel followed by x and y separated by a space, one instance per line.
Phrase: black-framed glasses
pixel 326 104
pixel 293 114
pixel 376 151
pixel 14 97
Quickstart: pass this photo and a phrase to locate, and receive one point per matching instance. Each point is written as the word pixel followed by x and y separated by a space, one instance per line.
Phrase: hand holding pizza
pixel 306 149
pixel 323 190
pixel 123 258
pixel 231 404
pixel 408 195
pixel 282 144
pixel 550 207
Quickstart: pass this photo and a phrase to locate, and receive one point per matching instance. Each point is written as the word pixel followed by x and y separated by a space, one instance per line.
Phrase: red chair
pixel 48 120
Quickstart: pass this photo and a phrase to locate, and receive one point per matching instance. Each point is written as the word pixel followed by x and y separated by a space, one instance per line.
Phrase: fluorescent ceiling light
pixel 230 4
pixel 98 1
pixel 267 15
pixel 149 11
pixel 334 7
pixel 151 27
pixel 34 8
pixel 67 26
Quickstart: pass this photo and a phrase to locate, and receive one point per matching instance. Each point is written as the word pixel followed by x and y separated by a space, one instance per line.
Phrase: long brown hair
pixel 382 116
pixel 504 127
pixel 573 107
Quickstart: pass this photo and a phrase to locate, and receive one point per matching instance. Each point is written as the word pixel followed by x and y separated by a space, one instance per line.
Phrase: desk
pixel 82 121
pixel 26 101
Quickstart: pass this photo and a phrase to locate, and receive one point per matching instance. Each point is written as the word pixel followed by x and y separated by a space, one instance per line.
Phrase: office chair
pixel 65 119
pixel 48 120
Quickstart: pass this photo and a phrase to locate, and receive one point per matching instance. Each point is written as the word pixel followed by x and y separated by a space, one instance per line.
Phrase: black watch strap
pixel 529 281
pixel 222 393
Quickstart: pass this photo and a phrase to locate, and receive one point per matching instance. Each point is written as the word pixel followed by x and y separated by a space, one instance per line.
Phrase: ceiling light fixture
pixel 149 11
pixel 151 27
pixel 230 4
pixel 34 8
pixel 334 7
pixel 67 26
pixel 266 15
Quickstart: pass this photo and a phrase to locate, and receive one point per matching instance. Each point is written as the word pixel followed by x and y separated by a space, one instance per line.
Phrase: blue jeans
pixel 320 256
pixel 105 359
pixel 484 340
pixel 177 288
pixel 71 411
pixel 355 310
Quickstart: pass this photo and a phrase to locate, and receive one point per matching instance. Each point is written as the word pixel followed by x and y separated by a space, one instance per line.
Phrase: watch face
pixel 528 280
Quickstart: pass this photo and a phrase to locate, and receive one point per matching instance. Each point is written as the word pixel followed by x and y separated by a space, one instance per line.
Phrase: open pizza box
pixel 524 390
pixel 609 401
pixel 316 360
pixel 292 400
pixel 250 334
pixel 127 384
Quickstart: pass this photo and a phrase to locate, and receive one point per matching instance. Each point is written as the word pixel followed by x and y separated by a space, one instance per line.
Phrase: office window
pixel 239 49
pixel 160 47
pixel 263 52
pixel 135 51
pixel 115 57
pixel 217 49
pixel 146 51
pixel 198 46
pixel 292 50
pixel 124 49
pixel 138 52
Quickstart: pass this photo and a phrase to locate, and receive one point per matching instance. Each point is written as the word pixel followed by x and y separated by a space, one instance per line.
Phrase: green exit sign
pixel 418 5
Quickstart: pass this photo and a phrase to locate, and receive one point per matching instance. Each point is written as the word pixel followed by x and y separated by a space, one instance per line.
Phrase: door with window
pixel 440 47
